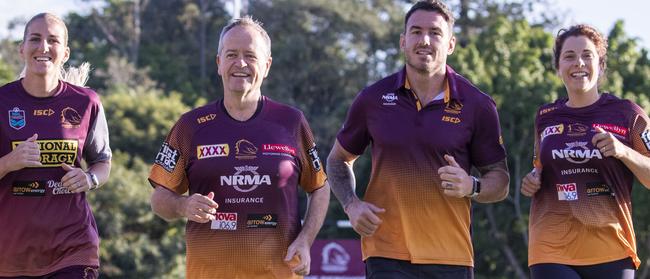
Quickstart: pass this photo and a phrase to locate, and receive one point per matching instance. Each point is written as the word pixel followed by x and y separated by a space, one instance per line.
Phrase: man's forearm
pixel 165 203
pixel 495 181
pixel 341 178
pixel 318 202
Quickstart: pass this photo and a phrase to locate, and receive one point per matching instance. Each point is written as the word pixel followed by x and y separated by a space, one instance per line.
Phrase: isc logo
pixel 206 118
pixel 43 112
pixel 450 119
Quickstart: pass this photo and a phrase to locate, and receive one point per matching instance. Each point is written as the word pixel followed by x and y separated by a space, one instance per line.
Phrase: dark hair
pixel 431 6
pixel 588 31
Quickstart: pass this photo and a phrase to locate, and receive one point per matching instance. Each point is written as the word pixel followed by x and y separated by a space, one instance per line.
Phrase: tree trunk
pixel 505 247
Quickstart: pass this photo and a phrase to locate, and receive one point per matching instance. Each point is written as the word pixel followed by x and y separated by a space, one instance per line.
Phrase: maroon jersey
pixel 44 227
pixel 582 213
pixel 408 143
pixel 254 168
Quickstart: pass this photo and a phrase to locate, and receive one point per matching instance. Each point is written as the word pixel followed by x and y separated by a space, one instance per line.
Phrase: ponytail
pixel 74 75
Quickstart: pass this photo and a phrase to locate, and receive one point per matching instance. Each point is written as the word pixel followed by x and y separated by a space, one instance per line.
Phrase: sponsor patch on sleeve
pixel 567 192
pixel 315 161
pixel 645 137
pixel 167 157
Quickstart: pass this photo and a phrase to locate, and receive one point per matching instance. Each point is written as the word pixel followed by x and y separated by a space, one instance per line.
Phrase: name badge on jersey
pixel 224 221
pixel 28 188
pixel 567 192
pixel 17 118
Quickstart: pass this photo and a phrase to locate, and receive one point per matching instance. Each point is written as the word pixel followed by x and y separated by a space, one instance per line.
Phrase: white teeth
pixel 43 59
pixel 239 75
pixel 579 74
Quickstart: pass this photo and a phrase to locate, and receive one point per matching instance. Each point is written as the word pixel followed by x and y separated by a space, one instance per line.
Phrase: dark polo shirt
pixel 408 142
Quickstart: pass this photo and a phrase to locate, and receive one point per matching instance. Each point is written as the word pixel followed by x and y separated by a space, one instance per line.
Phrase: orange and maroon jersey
pixel 254 168
pixel 43 226
pixel 408 143
pixel 582 213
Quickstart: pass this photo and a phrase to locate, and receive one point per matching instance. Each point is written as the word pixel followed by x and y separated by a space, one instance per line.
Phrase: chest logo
pixel 246 179
pixel 389 99
pixel 552 130
pixel 576 152
pixel 245 150
pixel 213 150
pixel 567 192
pixel 70 118
pixel 17 118
pixel 615 129
pixel 55 152
pixel 577 130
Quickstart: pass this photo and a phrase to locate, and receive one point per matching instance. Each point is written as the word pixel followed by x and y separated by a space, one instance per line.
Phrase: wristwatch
pixel 93 180
pixel 476 188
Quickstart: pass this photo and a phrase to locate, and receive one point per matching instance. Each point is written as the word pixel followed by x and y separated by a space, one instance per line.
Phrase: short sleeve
pixel 640 132
pixel 97 148
pixel 487 145
pixel 354 135
pixel 170 163
pixel 312 174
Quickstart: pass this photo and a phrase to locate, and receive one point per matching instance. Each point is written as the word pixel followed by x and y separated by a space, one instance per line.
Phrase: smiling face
pixel 44 48
pixel 578 65
pixel 427 42
pixel 243 61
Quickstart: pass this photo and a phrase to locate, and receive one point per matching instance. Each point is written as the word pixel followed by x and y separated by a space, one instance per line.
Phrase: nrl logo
pixel 17 118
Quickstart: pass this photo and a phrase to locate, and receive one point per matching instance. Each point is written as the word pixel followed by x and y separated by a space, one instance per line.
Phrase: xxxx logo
pixel 213 150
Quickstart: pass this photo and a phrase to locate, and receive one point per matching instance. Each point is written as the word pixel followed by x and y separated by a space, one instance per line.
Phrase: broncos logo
pixel 245 149
pixel 70 118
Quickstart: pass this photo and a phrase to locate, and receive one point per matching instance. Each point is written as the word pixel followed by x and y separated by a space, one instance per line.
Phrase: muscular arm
pixel 495 181
pixel 166 203
pixel 341 175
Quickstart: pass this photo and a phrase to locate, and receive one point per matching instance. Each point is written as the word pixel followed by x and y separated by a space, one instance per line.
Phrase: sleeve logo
pixel 315 160
pixel 167 157
pixel 645 136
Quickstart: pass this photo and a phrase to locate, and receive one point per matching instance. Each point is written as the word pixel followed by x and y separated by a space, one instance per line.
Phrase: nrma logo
pixel 576 152
pixel 246 179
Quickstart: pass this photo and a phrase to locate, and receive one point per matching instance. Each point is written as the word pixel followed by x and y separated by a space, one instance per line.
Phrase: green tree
pixel 6 73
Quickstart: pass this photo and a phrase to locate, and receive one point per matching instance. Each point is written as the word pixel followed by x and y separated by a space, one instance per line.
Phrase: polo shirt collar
pixel 451 90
